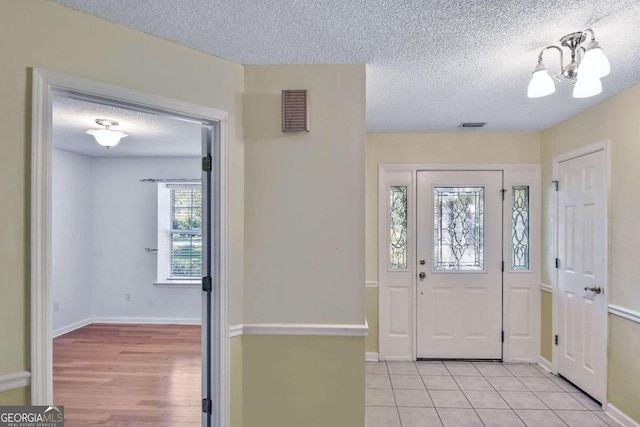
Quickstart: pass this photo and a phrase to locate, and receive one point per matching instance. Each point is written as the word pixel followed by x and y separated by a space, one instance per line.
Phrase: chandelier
pixel 587 66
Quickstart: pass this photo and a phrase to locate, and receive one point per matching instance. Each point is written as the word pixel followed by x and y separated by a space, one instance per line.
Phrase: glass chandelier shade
pixel 541 83
pixel 106 137
pixel 586 68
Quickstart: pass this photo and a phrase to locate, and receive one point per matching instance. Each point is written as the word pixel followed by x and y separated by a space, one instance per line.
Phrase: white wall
pixel 103 219
pixel 124 224
pixel 71 240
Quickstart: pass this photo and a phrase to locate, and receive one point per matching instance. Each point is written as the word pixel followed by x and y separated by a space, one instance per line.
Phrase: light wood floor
pixel 128 375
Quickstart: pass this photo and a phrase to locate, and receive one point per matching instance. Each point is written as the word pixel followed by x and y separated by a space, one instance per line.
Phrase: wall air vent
pixel 295 111
pixel 472 124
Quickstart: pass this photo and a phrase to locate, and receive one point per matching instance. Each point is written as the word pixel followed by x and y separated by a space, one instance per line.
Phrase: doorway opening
pixel 202 247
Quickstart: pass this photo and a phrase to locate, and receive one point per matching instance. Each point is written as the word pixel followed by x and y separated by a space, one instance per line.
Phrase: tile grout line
pixel 498 393
pixel 527 389
pixel 429 394
pixel 393 392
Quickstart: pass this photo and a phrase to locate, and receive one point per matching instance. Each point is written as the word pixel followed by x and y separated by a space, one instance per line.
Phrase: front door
pixel 459 255
pixel 582 303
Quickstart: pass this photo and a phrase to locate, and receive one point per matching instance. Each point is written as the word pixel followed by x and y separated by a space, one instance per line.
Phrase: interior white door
pixel 582 304
pixel 459 253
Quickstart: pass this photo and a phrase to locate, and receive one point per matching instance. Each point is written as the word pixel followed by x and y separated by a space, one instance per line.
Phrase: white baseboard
pixel 15 380
pixel 148 320
pixel 371 356
pixel 72 327
pixel 620 416
pixel 545 364
pixel 397 359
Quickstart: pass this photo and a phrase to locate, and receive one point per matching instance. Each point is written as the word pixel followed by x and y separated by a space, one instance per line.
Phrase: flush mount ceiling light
pixel 107 137
pixel 588 65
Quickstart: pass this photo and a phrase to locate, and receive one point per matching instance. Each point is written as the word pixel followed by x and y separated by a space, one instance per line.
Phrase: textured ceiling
pixel 150 135
pixel 430 64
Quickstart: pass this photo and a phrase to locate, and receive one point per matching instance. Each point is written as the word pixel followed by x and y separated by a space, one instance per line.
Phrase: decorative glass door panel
pixel 458 222
pixel 459 265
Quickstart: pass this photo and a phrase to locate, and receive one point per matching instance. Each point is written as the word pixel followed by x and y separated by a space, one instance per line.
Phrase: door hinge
pixel 207 406
pixel 504 190
pixel 556 340
pixel 207 163
pixel 206 284
pixel 503 266
pixel 557 262
pixel 556 183
pixel 502 336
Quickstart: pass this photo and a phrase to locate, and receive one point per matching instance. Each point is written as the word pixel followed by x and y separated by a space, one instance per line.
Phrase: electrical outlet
pixel 127 296
pixel 56 306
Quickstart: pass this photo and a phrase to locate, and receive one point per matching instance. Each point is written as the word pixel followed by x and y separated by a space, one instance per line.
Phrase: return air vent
pixel 295 111
pixel 472 124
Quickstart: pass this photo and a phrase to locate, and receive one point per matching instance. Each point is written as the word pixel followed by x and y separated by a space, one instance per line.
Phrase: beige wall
pixel 304 247
pixel 237 407
pixel 624 366
pixel 50 36
pixel 546 327
pixel 303 381
pixel 19 396
pixel 614 119
pixel 304 197
pixel 371 297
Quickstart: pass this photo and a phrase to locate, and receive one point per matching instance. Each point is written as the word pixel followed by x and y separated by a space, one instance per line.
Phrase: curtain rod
pixel 152 180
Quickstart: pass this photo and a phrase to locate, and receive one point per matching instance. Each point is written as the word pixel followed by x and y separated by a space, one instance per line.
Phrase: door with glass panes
pixel 459 265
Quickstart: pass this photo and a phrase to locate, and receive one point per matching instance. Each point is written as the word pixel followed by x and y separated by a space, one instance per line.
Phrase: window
pixel 179 232
pixel 458 222
pixel 398 228
pixel 520 228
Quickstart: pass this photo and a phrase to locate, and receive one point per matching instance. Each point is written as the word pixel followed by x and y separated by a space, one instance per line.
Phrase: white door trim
pixel 604 146
pixel 45 84
pixel 400 343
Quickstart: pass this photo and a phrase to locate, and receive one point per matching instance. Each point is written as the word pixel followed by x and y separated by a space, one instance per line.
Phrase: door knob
pixel 597 289
pixel 422 275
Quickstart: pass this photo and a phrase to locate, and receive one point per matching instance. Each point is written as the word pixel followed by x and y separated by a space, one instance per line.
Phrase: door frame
pixel 401 344
pixel 44 85
pixel 604 146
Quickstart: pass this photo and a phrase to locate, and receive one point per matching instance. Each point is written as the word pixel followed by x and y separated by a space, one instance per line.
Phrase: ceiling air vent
pixel 472 124
pixel 295 111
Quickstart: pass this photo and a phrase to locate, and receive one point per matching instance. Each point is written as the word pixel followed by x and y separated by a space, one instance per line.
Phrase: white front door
pixel 459 254
pixel 582 303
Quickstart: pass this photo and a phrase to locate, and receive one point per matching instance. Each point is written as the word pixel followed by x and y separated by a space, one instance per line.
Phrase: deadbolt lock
pixel 422 262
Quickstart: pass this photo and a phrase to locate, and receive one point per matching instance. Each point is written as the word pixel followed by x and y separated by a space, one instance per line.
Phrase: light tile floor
pixel 461 394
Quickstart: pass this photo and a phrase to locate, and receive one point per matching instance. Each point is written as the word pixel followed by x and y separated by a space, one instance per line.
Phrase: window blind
pixel 185 231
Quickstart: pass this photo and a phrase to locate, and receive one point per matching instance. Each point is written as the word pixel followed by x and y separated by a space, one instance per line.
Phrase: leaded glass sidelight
pixel 458 220
pixel 520 228
pixel 398 228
